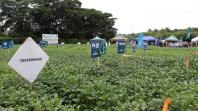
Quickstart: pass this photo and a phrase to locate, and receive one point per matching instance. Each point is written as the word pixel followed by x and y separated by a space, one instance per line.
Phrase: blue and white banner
pixel 95 48
pixel 140 40
pixel 7 44
pixel 121 46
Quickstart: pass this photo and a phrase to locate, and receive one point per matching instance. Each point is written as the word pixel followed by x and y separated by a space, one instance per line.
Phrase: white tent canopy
pixel 172 38
pixel 194 39
pixel 119 37
pixel 163 41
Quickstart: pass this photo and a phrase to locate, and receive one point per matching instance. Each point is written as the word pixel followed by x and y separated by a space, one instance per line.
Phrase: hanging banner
pixel 140 40
pixel 43 43
pixel 50 38
pixel 95 51
pixel 7 44
pixel 121 46
pixel 98 47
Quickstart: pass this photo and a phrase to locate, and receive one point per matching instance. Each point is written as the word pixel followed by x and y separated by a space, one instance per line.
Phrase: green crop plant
pixel 72 81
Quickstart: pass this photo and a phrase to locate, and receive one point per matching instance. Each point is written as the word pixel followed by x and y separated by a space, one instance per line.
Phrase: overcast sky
pixel 140 15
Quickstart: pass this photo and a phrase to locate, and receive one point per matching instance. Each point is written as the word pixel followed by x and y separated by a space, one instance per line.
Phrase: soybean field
pixel 72 81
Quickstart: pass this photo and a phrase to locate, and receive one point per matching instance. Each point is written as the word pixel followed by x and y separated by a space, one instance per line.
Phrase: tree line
pixel 181 34
pixel 22 18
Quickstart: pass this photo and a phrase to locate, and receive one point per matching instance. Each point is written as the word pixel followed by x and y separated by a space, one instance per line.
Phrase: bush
pixel 16 40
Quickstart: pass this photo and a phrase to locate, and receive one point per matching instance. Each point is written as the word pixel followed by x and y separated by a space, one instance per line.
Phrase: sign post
pixel 187 59
pixel 98 61
pixel 98 48
pixel 145 47
pixel 121 47
pixel 122 58
pixel 28 61
pixel 166 103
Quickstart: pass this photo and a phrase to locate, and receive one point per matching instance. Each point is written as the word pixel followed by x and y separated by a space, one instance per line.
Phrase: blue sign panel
pixel 7 44
pixel 43 43
pixel 98 47
pixel 121 46
pixel 11 44
pixel 140 40
pixel 95 48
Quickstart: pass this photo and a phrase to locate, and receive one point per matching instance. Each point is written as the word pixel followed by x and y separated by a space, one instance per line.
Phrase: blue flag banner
pixel 43 43
pixel 7 44
pixel 140 40
pixel 95 48
pixel 121 46
pixel 98 47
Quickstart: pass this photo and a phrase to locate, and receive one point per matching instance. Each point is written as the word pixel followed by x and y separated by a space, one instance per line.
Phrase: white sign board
pixel 50 38
pixel 29 60
pixel 62 43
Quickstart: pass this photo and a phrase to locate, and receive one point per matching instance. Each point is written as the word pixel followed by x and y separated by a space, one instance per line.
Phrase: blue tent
pixel 148 38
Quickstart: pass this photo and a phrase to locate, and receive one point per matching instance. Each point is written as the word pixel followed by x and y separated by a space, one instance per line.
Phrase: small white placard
pixel 62 43
pixel 50 38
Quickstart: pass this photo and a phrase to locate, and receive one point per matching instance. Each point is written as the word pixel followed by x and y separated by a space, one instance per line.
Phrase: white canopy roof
pixel 119 37
pixel 96 38
pixel 194 39
pixel 172 38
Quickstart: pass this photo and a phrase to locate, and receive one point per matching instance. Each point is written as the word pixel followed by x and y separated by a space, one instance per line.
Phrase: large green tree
pixel 64 17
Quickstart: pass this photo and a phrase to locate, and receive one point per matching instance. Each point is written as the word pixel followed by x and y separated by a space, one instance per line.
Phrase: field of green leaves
pixel 72 81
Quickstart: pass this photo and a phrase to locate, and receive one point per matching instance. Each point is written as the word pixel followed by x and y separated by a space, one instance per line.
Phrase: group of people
pixel 177 44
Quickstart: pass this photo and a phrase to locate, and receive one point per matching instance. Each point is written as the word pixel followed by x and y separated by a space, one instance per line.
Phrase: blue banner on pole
pixel 98 47
pixel 140 40
pixel 7 44
pixel 121 46
pixel 43 43
pixel 95 49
